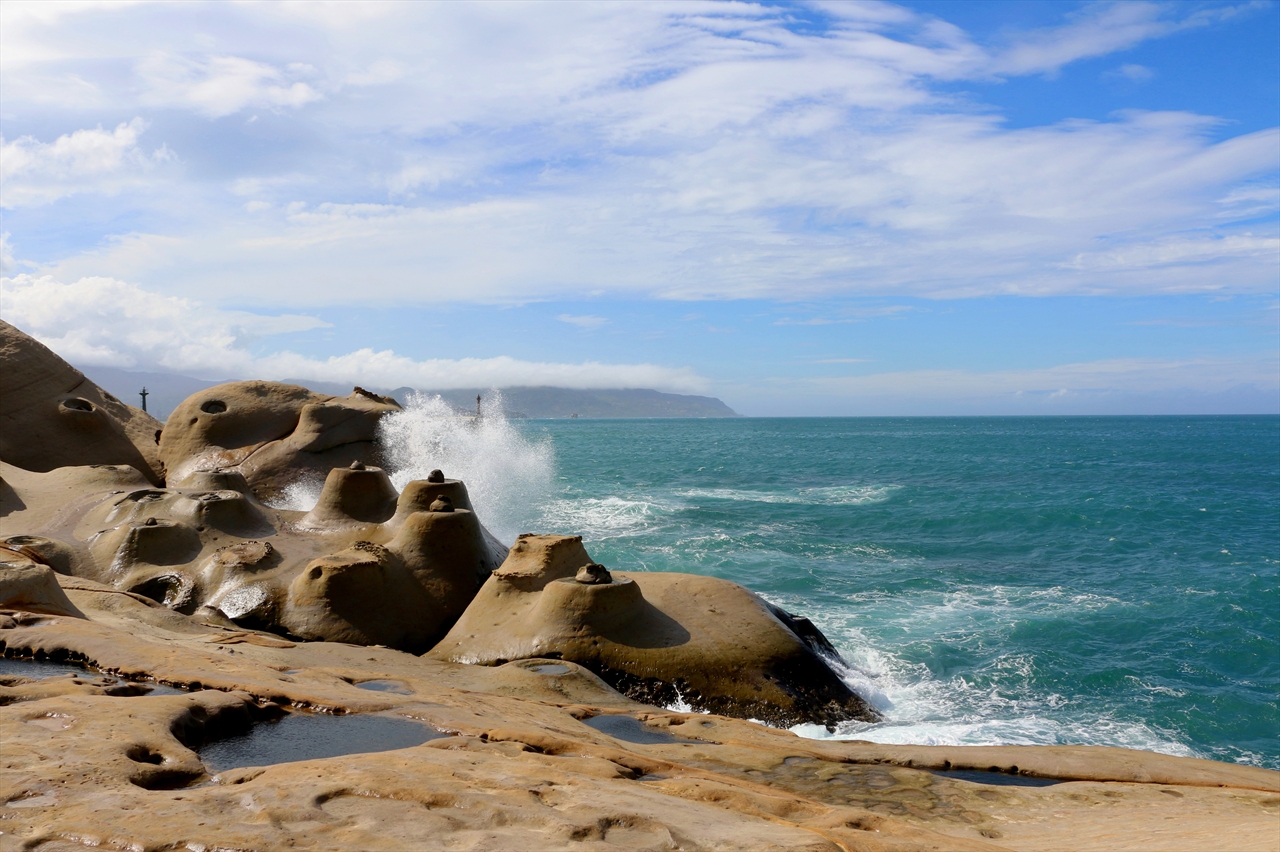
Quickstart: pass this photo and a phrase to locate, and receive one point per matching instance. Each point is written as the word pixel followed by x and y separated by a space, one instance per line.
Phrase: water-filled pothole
pixel 632 730
pixel 392 686
pixel 41 669
pixel 309 736
pixel 997 779
pixel 549 668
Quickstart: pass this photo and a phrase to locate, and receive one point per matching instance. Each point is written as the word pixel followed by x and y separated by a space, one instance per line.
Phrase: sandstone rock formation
pixel 100 760
pixel 658 637
pixel 273 434
pixel 366 565
pixel 51 416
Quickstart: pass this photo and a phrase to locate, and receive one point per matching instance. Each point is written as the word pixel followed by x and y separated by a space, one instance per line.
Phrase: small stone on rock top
pixel 436 475
pixel 355 465
pixel 441 504
pixel 594 574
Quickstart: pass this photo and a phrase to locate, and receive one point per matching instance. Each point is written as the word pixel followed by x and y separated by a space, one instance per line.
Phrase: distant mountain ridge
pixel 166 390
pixel 553 402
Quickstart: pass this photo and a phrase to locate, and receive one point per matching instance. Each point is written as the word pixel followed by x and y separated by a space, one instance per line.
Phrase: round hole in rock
pixel 77 404
pixel 142 754
pixel 214 406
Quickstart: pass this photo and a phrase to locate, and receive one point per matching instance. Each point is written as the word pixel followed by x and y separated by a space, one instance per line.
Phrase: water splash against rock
pixel 508 475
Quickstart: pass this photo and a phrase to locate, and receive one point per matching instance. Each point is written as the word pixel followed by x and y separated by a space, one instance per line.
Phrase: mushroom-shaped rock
pixel 655 637
pixel 274 434
pixel 360 494
pixel 364 595
pixel 419 494
pixel 29 585
pixel 51 416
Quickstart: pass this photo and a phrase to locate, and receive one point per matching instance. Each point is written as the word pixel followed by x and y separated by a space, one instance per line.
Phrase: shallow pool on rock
pixel 631 730
pixel 998 779
pixel 309 736
pixel 41 669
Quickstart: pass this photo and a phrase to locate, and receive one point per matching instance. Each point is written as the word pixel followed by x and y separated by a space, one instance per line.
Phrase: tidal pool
pixel 631 730
pixel 998 779
pixel 41 669
pixel 309 736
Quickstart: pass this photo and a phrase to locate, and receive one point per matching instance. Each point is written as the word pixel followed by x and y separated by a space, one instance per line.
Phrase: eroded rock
pixel 51 416
pixel 658 637
pixel 365 566
pixel 272 433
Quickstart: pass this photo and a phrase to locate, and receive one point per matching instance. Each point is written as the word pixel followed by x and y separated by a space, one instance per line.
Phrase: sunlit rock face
pixel 367 565
pixel 662 638
pixel 51 416
pixel 273 434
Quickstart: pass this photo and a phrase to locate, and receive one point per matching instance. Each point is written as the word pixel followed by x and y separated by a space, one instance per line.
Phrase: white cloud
pixel 221 85
pixel 107 322
pixel 587 321
pixel 35 172
pixel 1096 31
pixel 509 152
pixel 1130 73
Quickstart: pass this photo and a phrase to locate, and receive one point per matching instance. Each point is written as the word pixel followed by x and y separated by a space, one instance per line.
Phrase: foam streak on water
pixel 508 475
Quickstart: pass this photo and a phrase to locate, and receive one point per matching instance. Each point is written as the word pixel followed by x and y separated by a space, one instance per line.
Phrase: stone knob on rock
pixel 441 504
pixel 357 465
pixel 436 475
pixel 594 574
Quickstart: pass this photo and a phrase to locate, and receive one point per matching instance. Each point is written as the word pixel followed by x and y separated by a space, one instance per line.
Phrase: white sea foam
pixel 836 495
pixel 300 495
pixel 1000 703
pixel 508 475
pixel 597 518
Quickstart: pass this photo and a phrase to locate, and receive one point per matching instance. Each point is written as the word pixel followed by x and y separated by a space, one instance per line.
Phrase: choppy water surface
pixel 991 580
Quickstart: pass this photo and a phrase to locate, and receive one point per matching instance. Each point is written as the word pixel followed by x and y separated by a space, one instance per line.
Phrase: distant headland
pixel 166 390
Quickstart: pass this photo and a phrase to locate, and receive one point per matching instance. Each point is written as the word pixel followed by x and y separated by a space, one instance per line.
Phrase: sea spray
pixel 508 475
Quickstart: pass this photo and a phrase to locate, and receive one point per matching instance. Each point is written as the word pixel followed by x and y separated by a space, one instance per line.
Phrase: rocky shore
pixel 190 613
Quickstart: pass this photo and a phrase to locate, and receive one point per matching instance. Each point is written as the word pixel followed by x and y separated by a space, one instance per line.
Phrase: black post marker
pixel 143 393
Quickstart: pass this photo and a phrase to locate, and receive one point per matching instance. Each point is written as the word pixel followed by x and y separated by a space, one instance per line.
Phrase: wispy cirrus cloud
pixel 586 321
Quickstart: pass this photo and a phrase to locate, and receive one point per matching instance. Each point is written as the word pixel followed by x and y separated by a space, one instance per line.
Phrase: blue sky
pixel 821 208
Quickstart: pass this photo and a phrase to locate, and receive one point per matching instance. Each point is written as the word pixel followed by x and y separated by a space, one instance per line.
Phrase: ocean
pixel 1004 580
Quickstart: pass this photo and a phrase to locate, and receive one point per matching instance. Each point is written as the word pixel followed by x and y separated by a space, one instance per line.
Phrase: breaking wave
pixel 508 475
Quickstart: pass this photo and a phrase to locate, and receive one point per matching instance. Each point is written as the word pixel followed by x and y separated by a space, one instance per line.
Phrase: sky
pixel 860 208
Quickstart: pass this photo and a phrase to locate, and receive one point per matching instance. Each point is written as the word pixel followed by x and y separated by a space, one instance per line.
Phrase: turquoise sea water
pixel 1110 580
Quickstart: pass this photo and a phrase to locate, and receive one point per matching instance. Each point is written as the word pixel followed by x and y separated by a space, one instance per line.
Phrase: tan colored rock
pixel 273 434
pixel 524 768
pixel 51 416
pixel 657 637
pixel 362 567
pixel 28 584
